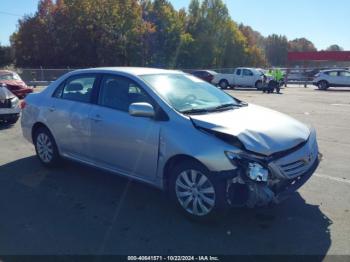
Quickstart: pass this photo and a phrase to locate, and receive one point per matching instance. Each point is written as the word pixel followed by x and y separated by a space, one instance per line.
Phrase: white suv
pixel 332 78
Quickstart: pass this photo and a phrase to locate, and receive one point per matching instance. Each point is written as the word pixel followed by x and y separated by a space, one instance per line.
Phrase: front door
pixel 122 142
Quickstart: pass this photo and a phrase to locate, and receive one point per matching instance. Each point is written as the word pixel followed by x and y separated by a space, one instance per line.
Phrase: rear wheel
pixel 323 85
pixel 195 192
pixel 223 84
pixel 45 147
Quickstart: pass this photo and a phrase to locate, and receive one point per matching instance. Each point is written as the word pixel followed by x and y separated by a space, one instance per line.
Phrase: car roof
pixel 204 70
pixel 129 70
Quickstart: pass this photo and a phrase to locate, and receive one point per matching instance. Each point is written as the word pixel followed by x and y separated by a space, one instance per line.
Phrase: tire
pixel 258 85
pixel 223 84
pixel 196 193
pixel 323 85
pixel 46 148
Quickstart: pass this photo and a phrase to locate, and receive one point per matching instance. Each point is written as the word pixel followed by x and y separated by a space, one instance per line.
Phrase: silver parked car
pixel 172 130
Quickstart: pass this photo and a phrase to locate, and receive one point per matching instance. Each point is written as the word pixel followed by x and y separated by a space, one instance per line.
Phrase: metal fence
pixel 42 76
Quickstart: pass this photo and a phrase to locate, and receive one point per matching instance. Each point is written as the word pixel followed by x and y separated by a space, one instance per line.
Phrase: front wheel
pixel 196 192
pixel 46 148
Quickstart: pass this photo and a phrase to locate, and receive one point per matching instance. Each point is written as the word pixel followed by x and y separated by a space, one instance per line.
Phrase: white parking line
pixel 342 180
pixel 340 104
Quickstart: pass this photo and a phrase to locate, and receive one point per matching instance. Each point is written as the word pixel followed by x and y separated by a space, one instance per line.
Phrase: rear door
pixel 69 115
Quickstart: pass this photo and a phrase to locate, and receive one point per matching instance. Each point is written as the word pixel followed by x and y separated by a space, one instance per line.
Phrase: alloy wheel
pixel 44 147
pixel 195 192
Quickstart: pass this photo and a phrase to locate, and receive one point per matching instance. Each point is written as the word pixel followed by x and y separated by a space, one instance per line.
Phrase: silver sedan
pixel 208 150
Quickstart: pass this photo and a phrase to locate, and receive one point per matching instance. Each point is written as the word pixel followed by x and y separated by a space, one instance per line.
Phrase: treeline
pixel 85 33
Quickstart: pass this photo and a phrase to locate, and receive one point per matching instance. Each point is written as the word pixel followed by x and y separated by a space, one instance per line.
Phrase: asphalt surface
pixel 80 210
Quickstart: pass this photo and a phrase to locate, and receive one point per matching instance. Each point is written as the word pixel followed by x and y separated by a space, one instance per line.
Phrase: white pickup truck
pixel 242 76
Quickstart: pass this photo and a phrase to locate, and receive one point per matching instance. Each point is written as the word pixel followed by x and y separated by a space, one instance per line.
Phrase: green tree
pixel 276 50
pixel 335 48
pixel 215 39
pixel 6 57
pixel 301 45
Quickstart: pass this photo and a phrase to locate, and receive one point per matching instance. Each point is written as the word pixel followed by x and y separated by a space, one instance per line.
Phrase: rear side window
pixel 78 88
pixel 238 72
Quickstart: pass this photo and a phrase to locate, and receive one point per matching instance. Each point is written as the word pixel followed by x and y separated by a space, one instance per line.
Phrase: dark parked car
pixel 14 83
pixel 206 75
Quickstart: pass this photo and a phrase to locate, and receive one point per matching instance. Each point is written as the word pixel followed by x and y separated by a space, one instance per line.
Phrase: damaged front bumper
pixel 241 191
pixel 287 172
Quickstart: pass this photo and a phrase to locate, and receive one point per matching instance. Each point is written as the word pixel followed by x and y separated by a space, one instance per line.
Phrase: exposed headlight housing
pixel 251 164
pixel 256 172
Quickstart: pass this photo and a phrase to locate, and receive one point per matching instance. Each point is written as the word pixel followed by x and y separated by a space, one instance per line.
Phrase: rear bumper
pixel 5 117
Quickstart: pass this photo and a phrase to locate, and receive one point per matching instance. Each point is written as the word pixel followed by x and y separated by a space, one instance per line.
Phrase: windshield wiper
pixel 194 111
pixel 226 107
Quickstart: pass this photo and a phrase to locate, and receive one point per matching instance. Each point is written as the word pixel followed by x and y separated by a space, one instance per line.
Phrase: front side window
pixel 247 72
pixel 119 93
pixel 187 93
pixel 78 88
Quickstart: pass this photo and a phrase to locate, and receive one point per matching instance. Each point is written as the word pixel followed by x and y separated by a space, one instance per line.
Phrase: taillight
pixel 22 104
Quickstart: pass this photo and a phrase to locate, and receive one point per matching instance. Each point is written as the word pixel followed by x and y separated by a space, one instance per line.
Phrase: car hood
pixel 261 130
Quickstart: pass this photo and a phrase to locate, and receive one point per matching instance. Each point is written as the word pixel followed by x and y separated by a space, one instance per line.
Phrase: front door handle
pixel 96 118
pixel 52 109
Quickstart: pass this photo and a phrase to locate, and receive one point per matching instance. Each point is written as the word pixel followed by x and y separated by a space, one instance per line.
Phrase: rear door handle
pixel 52 109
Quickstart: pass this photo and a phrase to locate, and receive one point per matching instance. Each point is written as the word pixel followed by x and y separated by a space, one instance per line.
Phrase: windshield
pixel 188 94
pixel 212 72
pixel 10 76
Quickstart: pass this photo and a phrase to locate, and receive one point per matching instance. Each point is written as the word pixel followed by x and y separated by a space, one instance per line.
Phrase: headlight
pixel 14 102
pixel 257 172
pixel 251 164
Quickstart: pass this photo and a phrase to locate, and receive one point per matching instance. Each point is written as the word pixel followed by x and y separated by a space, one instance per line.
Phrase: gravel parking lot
pixel 80 210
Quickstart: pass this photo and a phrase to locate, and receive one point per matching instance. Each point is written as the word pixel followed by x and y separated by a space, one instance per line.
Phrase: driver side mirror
pixel 141 110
